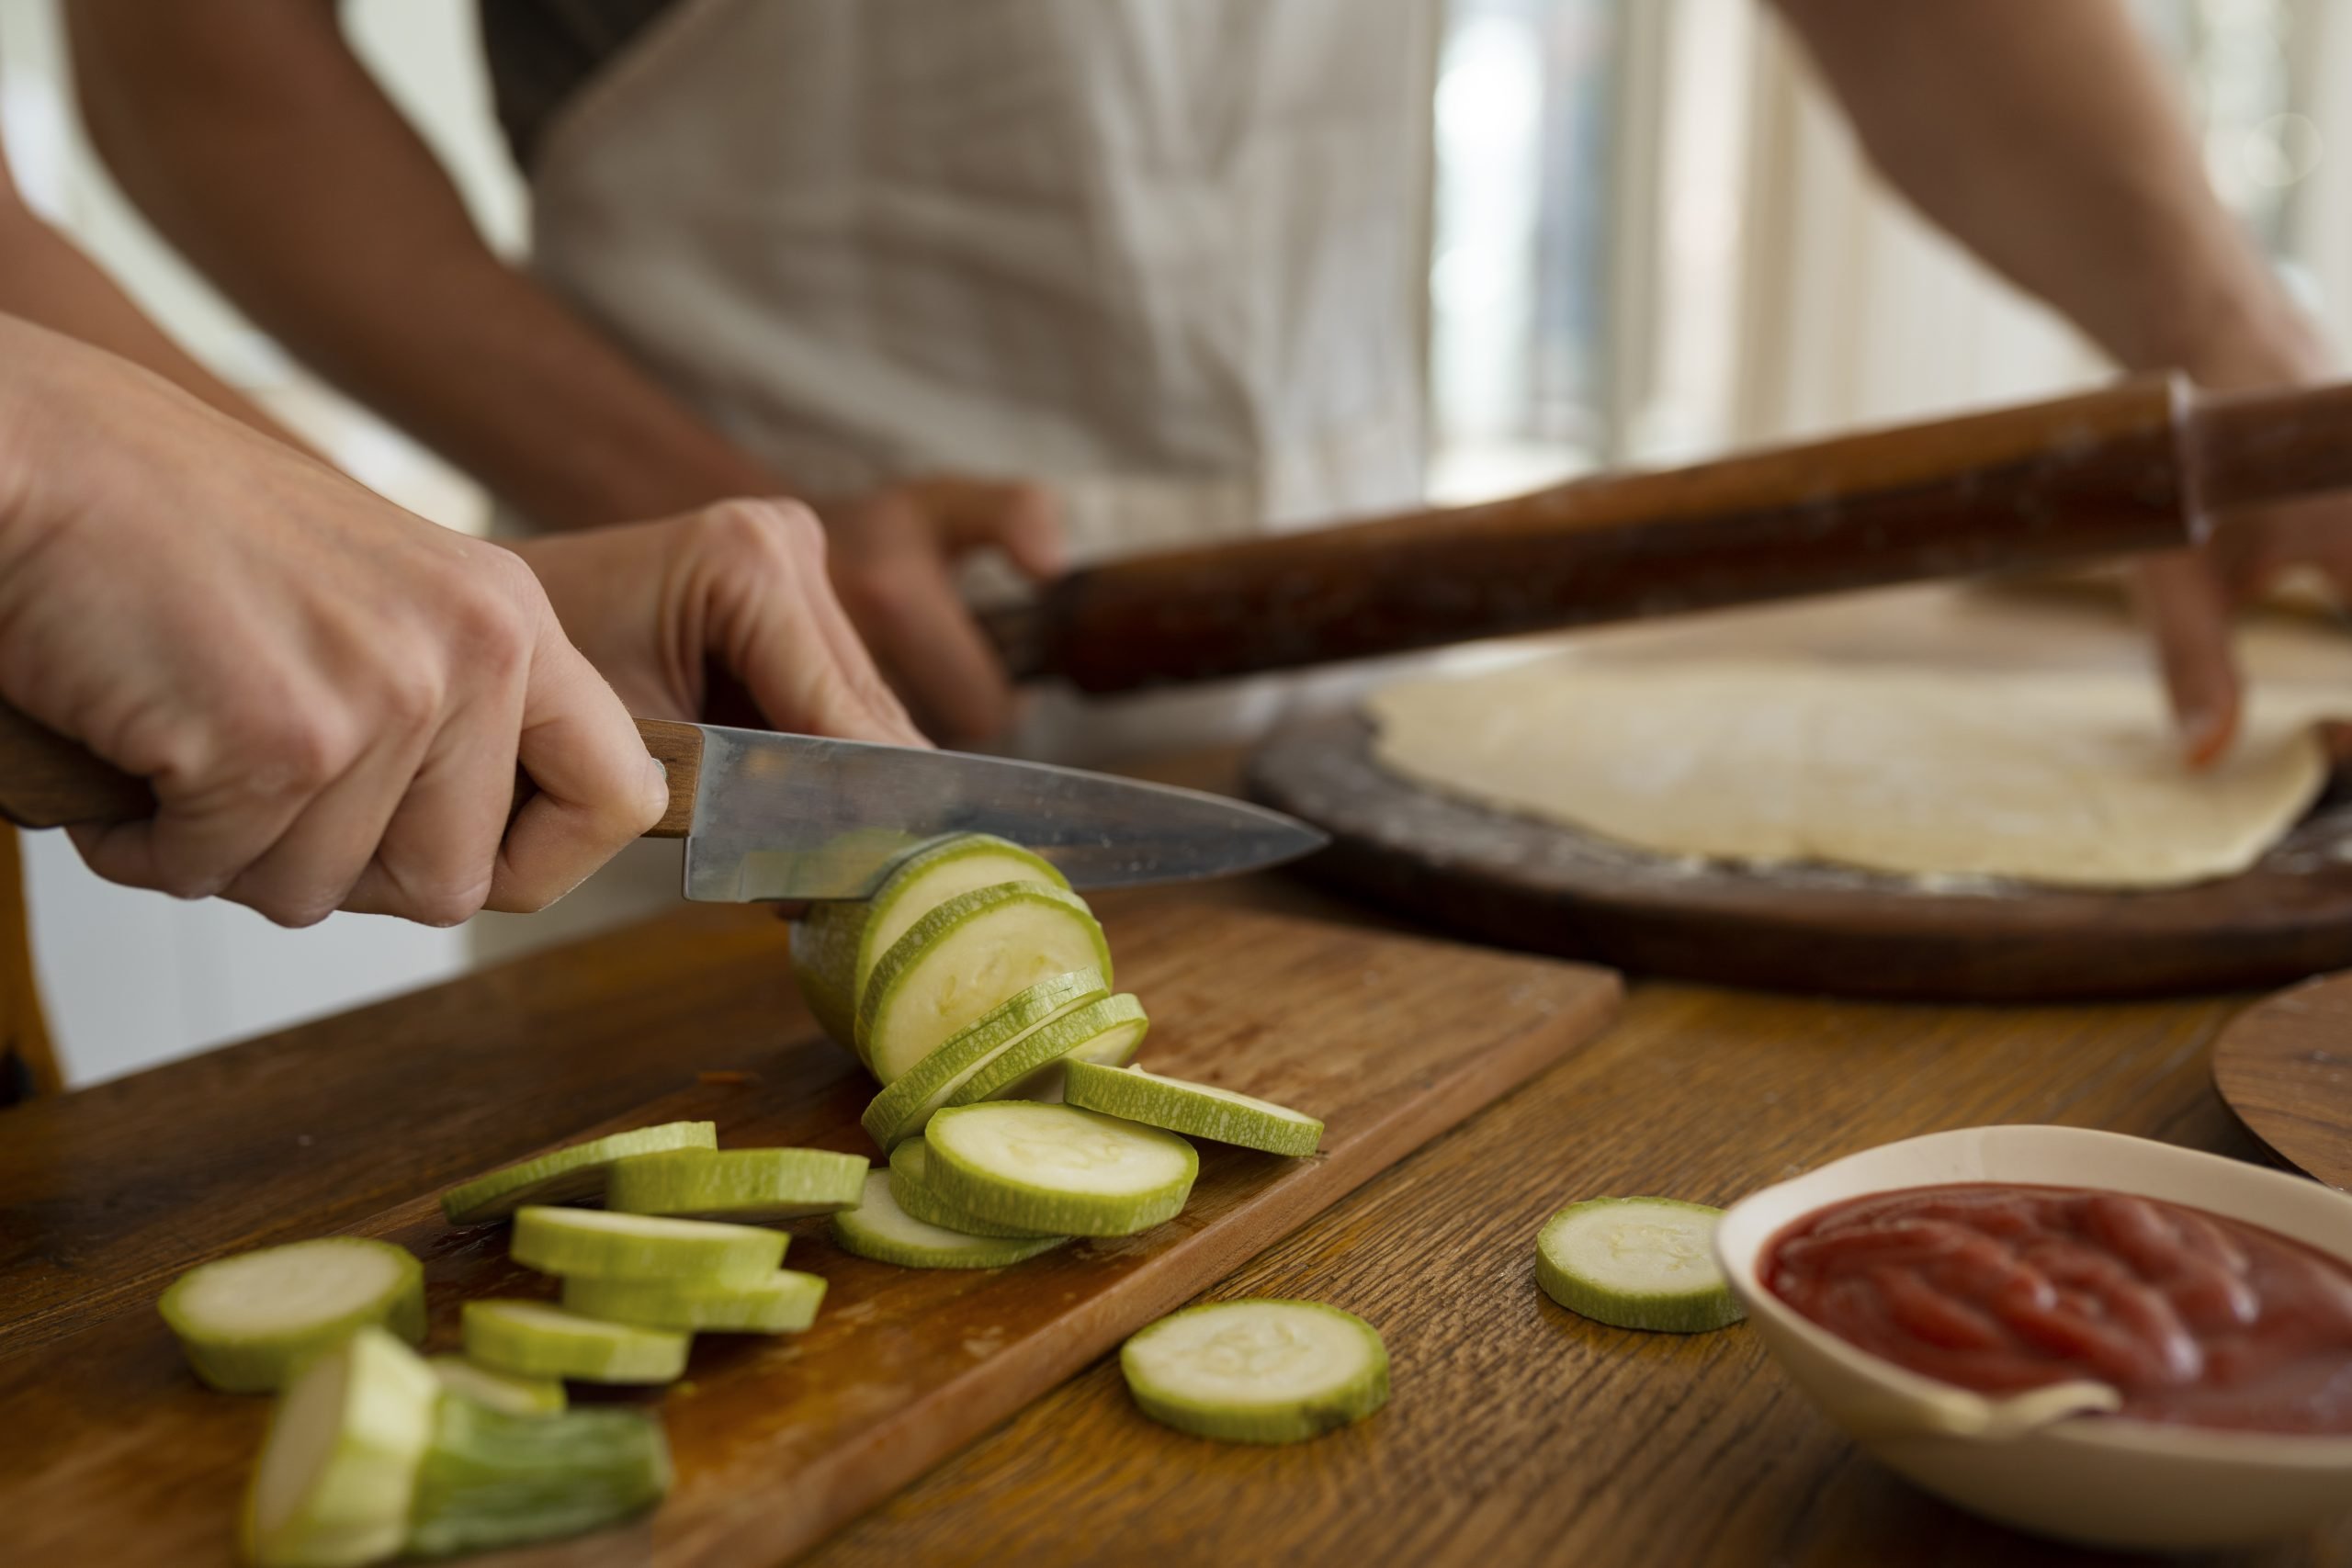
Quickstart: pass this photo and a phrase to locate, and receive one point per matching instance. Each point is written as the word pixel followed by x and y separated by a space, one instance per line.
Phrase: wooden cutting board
pixel 2285 1066
pixel 1534 884
pixel 109 1450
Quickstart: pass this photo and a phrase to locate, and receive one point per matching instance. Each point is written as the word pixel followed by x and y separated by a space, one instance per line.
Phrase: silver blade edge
pixel 790 817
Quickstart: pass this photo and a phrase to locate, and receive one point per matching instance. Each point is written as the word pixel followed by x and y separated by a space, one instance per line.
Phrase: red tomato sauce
pixel 2197 1320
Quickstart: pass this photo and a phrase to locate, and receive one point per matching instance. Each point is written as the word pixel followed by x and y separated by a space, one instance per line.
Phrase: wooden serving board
pixel 2284 1065
pixel 110 1451
pixel 1532 884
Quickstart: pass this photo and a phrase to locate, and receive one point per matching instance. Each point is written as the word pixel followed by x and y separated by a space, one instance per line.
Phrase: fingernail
pixel 2202 733
pixel 657 776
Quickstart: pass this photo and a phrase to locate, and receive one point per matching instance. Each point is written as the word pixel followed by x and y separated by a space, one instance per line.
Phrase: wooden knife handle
pixel 48 781
pixel 2130 467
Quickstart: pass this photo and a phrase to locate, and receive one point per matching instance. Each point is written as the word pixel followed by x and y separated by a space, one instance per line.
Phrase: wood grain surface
pixel 1492 875
pixel 2285 1068
pixel 110 1451
pixel 1519 1434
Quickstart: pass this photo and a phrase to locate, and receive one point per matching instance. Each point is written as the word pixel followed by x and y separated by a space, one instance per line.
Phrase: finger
pixel 2188 610
pixel 219 811
pixel 787 638
pixel 913 613
pixel 1022 520
pixel 309 872
pixel 439 853
pixel 807 670
pixel 597 788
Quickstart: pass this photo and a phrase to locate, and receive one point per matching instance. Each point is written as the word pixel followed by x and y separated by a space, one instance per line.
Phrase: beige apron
pixel 1168 256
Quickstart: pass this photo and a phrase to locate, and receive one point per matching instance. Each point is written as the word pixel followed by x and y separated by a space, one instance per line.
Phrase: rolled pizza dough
pixel 2069 778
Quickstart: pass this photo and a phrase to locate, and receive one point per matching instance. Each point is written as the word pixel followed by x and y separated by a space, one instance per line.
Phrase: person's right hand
pixel 892 555
pixel 330 697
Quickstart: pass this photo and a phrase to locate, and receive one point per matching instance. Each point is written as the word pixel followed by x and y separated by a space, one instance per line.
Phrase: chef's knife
pixel 2140 466
pixel 788 817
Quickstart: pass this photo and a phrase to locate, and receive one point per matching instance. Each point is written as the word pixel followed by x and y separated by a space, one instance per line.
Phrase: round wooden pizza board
pixel 2285 1066
pixel 1527 884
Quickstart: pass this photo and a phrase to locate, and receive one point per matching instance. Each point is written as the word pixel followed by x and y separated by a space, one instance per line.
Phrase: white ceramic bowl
pixel 2086 1478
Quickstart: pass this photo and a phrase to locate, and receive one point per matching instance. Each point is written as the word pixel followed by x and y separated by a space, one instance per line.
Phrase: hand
pixel 893 555
pixel 2190 597
pixel 741 583
pixel 329 696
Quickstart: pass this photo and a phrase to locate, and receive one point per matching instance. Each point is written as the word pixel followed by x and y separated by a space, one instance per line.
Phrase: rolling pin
pixel 2139 465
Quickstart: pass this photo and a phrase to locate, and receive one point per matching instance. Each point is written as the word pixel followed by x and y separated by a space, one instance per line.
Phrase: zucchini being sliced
pixel 338 1470
pixel 597 1245
pixel 1114 1027
pixel 908 1163
pixel 567 1176
pixel 944 868
pixel 537 1340
pixel 1058 1168
pixel 899 1111
pixel 882 1231
pixel 489 1479
pixel 783 1303
pixel 1257 1370
pixel 824 941
pixel 964 957
pixel 1196 1110
pixel 248 1322
pixel 1645 1263
pixel 736 1184
pixel 514 1394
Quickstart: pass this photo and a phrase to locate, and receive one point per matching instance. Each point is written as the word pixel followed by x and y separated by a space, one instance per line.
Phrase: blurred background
pixel 1653 240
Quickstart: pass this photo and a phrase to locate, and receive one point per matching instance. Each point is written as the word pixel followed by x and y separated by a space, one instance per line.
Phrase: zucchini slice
pixel 596 1244
pixel 1196 1110
pixel 783 1303
pixel 899 1111
pixel 1113 1026
pixel 491 1479
pixel 537 1340
pixel 932 874
pixel 1644 1263
pixel 567 1176
pixel 1054 1168
pixel 736 1184
pixel 248 1322
pixel 909 1162
pixel 1259 1370
pixel 963 958
pixel 500 1391
pixel 824 941
pixel 338 1471
pixel 882 1231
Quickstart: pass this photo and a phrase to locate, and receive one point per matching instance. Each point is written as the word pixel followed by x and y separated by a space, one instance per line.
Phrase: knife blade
pixel 781 817
pixel 771 817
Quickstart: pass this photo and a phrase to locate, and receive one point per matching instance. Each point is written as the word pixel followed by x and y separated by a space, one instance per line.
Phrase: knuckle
pixel 493 624
pixel 298 754
pixel 764 530
pixel 449 905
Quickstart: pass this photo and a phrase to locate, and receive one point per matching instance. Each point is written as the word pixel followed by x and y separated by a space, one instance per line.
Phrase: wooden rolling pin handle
pixel 48 781
pixel 2076 479
pixel 2249 448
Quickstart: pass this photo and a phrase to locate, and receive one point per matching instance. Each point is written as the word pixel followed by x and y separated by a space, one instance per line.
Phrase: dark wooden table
pixel 1518 1433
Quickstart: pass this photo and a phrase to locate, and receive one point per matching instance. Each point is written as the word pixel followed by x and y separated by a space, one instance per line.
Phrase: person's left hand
pixel 741 585
pixel 2189 598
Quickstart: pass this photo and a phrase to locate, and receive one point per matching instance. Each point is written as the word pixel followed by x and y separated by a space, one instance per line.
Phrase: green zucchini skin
pixel 491 1479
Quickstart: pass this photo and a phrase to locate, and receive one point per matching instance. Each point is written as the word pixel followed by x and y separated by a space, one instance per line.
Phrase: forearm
pixel 2047 139
pixel 252 137
pixel 45 281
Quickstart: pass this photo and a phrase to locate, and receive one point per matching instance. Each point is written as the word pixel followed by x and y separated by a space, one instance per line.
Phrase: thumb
pixel 2189 612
